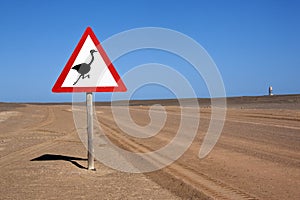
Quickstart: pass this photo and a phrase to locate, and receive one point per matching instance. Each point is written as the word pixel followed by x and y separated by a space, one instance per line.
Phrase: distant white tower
pixel 270 91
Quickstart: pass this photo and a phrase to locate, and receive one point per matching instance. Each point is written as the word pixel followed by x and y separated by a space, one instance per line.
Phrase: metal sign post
pixel 89 109
pixel 88 78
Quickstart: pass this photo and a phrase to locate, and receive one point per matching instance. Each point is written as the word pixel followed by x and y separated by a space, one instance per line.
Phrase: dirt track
pixel 257 156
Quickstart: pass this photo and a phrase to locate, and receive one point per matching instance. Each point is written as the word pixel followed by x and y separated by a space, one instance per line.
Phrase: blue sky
pixel 254 43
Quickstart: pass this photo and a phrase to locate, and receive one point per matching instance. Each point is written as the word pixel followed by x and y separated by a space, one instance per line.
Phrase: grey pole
pixel 89 108
pixel 270 91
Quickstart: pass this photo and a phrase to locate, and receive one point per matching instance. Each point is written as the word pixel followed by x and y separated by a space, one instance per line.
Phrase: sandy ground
pixel 256 157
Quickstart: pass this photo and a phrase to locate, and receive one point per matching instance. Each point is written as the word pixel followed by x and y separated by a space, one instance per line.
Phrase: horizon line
pixel 161 99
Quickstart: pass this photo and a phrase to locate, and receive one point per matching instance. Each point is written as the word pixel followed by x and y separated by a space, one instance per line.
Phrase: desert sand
pixel 256 157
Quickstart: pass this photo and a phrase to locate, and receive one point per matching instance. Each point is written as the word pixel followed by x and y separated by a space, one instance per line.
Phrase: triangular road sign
pixel 89 69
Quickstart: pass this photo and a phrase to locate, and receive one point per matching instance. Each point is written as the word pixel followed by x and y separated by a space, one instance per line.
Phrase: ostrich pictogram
pixel 84 68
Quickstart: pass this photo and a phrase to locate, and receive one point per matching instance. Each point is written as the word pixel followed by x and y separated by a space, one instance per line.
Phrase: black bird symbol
pixel 84 68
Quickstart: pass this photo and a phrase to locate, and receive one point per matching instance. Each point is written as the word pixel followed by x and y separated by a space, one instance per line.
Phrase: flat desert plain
pixel 256 157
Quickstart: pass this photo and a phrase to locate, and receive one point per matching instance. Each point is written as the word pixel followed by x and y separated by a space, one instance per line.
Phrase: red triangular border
pixel 57 86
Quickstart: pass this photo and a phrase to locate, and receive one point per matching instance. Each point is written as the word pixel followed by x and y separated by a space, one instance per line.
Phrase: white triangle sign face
pixel 89 69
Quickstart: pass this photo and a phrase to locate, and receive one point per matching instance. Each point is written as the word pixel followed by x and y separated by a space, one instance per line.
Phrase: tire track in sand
pixel 24 153
pixel 181 172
